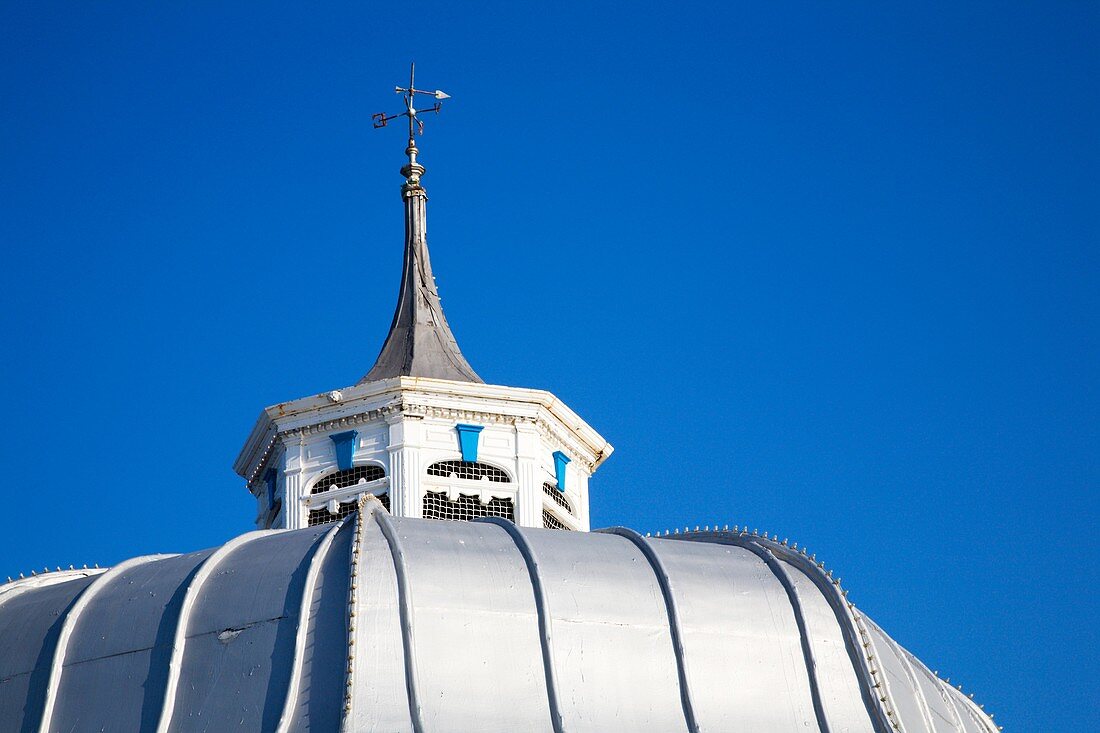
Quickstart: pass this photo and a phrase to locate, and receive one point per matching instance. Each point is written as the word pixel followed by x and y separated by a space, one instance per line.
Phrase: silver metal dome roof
pixel 393 624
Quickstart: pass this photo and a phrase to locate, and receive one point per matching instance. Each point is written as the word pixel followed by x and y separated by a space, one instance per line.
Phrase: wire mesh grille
pixel 348 477
pixel 558 497
pixel 465 508
pixel 549 521
pixel 468 470
pixel 323 516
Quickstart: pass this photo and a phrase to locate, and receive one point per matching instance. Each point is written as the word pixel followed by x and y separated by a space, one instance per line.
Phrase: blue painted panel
pixel 345 447
pixel 468 439
pixel 560 459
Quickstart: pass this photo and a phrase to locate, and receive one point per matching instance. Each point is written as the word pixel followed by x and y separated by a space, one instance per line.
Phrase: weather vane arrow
pixel 416 125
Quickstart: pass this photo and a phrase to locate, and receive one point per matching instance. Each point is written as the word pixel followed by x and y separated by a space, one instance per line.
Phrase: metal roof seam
pixel 404 601
pixel 918 693
pixel 320 552
pixel 675 630
pixel 545 620
pixel 800 621
pixel 922 699
pixel 934 678
pixel 977 714
pixel 69 619
pixel 949 699
pixel 954 701
pixel 815 570
pixel 874 654
pixel 72 616
pixel 830 587
pixel 876 709
pixel 179 639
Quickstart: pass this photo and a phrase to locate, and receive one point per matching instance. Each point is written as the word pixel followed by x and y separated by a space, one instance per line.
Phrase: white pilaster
pixel 529 460
pixel 291 480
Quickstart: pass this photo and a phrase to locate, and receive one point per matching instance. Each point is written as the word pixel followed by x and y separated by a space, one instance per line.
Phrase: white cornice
pixel 419 396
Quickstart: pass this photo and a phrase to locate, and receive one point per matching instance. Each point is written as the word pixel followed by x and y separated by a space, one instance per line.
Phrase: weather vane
pixel 415 123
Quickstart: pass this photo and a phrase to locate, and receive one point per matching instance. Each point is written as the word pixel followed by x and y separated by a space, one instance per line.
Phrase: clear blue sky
pixel 829 271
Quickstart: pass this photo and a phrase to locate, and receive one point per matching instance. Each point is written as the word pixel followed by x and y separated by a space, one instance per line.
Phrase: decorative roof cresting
pixel 420 343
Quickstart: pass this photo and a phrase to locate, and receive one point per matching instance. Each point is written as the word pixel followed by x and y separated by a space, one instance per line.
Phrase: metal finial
pixel 416 125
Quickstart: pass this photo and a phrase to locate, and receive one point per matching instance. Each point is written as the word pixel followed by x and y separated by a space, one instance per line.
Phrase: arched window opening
pixel 469 470
pixel 348 477
pixel 558 497
pixel 322 515
pixel 465 508
pixel 549 521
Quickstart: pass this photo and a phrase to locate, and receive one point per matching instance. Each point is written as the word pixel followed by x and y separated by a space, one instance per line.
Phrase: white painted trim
pixel 423 397
pixel 457 487
pixel 377 463
pixel 346 494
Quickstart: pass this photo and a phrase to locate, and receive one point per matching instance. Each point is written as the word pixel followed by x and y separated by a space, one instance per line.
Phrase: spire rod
pixel 420 343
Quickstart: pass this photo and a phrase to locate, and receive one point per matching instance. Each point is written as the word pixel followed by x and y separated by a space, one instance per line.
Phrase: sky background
pixel 829 271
